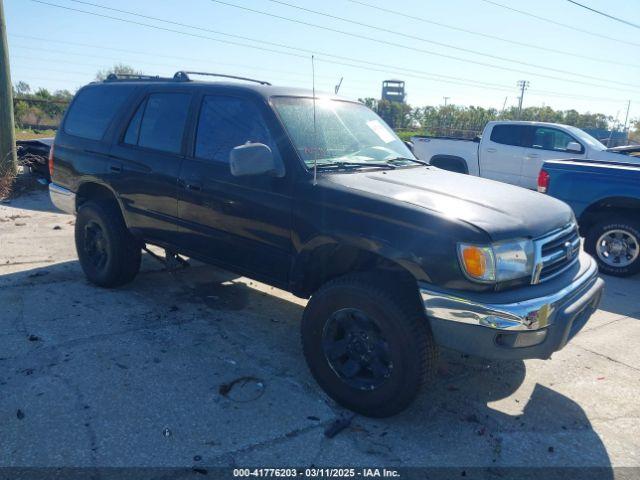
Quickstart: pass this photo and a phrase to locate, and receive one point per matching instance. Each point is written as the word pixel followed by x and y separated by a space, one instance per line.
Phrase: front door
pixel 241 222
pixel 547 143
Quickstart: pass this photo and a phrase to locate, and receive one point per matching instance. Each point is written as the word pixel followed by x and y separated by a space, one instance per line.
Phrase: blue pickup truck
pixel 605 198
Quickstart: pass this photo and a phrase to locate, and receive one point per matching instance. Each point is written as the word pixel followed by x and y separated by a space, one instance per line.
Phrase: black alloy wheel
pixel 356 349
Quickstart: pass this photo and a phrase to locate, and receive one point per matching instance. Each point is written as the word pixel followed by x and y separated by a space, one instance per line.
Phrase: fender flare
pixel 333 242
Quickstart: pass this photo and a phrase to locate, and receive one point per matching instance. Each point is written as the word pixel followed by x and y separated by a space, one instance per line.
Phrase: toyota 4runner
pixel 317 195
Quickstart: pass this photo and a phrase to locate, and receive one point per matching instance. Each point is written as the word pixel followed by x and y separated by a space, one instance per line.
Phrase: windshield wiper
pixel 406 159
pixel 355 165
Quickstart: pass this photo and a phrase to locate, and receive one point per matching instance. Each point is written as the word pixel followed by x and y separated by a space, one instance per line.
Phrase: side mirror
pixel 574 147
pixel 409 145
pixel 254 159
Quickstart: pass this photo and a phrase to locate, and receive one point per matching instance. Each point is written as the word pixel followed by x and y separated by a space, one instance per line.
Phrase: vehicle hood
pixel 503 211
pixel 632 150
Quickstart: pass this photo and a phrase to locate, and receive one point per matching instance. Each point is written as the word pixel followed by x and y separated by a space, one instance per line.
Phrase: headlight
pixel 497 262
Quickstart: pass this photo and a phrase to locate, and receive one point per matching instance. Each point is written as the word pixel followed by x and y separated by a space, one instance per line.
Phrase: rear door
pixel 241 222
pixel 545 143
pixel 145 163
pixel 502 153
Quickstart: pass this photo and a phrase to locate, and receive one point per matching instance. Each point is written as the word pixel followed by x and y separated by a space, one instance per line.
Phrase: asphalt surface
pixel 144 376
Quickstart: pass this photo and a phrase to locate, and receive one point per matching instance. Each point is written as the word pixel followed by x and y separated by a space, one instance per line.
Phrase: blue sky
pixel 56 48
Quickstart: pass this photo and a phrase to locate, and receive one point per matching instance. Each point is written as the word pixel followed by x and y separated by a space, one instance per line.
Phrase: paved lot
pixel 131 377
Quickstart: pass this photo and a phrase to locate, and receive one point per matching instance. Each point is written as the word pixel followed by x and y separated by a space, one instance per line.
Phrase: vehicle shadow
pixel 533 428
pixel 621 296
pixel 35 199
pixel 459 401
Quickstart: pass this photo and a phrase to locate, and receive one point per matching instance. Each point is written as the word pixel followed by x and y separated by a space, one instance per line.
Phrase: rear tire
pixel 406 361
pixel 615 245
pixel 109 255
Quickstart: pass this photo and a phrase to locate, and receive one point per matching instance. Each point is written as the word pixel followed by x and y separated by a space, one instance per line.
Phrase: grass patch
pixel 29 134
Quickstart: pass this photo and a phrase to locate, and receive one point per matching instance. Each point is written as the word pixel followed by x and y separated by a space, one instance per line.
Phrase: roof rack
pixel 112 77
pixel 183 76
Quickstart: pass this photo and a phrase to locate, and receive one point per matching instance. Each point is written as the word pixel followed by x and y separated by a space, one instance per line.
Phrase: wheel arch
pixel 96 191
pixel 452 163
pixel 605 207
pixel 325 259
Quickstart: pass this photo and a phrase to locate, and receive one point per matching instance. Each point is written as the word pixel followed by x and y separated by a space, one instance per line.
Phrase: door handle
pixel 533 155
pixel 115 168
pixel 195 187
pixel 491 150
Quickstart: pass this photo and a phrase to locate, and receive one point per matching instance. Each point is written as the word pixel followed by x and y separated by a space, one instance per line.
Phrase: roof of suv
pixel 264 89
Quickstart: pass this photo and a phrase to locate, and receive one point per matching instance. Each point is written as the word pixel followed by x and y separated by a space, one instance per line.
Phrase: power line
pixel 406 71
pixel 605 14
pixel 334 30
pixel 571 27
pixel 492 37
pixel 438 77
pixel 420 50
pixel 144 62
pixel 467 82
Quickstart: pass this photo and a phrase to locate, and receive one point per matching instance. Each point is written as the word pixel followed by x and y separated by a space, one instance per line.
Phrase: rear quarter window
pixel 94 108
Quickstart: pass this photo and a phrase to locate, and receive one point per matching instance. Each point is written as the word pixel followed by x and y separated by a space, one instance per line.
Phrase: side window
pixel 551 139
pixel 94 108
pixel 227 122
pixel 159 122
pixel 133 130
pixel 509 135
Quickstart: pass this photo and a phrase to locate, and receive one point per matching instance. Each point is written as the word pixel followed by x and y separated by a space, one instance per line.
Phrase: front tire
pixel 368 344
pixel 109 255
pixel 615 244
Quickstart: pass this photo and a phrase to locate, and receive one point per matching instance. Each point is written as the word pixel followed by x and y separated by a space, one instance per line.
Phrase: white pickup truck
pixel 514 151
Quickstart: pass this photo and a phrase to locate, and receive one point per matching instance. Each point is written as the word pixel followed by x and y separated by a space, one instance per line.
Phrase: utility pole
pixel 504 106
pixel 523 85
pixel 446 99
pixel 8 159
pixel 626 119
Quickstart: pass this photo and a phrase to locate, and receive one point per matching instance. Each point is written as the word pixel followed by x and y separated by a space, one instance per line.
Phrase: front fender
pixel 327 244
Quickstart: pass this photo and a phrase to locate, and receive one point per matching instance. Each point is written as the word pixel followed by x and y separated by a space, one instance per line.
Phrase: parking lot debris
pixel 338 425
pixel 19 414
pixel 243 389
pixel 166 432
pixel 33 338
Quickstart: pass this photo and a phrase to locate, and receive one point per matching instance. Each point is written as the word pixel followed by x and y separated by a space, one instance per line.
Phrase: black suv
pixel 318 196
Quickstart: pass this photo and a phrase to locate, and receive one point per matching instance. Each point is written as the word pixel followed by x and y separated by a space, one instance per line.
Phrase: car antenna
pixel 315 136
pixel 339 85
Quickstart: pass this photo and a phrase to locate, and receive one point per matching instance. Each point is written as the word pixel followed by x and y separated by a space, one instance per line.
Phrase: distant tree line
pixel 40 107
pixel 461 121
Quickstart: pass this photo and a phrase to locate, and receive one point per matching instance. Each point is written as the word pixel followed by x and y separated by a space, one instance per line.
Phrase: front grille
pixel 556 253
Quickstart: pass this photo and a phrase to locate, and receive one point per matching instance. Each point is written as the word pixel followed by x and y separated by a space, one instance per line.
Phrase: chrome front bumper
pixel 531 314
pixel 63 198
pixel 509 325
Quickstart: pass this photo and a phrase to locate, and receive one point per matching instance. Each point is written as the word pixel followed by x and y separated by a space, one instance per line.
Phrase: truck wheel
pixel 615 244
pixel 368 344
pixel 108 253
